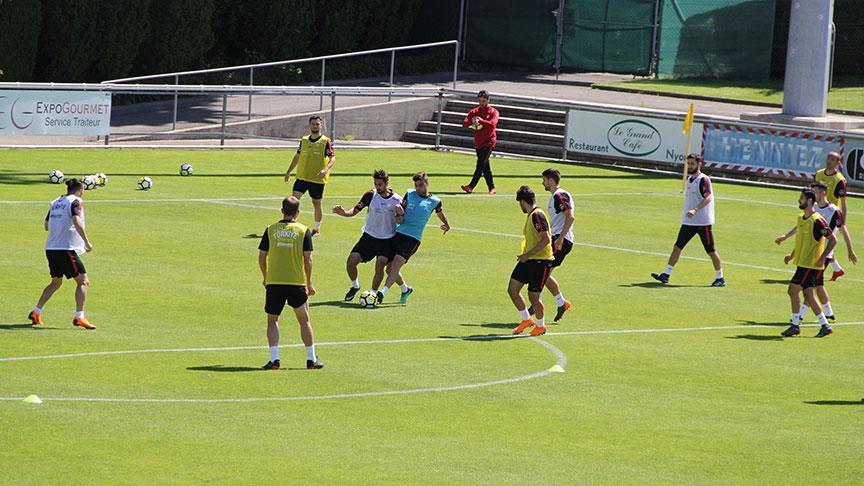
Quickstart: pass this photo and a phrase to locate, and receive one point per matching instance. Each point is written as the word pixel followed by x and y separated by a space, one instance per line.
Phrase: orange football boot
pixel 538 331
pixel 522 326
pixel 82 322
pixel 35 318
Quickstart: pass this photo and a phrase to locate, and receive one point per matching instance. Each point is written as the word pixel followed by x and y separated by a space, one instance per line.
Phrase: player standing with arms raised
pixel 483 119
pixel 698 219
pixel 411 218
pixel 67 238
pixel 314 160
pixel 833 178
pixel 533 264
pixel 813 243
pixel 285 260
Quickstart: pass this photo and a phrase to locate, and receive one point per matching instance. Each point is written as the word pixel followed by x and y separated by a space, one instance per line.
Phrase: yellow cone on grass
pixel 32 399
pixel 556 369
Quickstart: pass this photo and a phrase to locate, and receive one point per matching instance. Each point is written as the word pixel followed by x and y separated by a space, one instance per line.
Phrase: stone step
pixel 504 135
pixel 508 123
pixel 511 147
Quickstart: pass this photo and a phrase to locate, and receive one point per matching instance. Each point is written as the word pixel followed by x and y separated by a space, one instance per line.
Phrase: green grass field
pixel 167 390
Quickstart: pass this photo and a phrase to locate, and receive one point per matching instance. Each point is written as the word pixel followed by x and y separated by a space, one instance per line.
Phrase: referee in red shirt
pixel 483 119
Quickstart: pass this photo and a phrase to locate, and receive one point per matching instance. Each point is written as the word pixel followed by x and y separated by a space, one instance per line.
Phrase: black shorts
pixel 316 190
pixel 808 277
pixel 64 263
pixel 403 245
pixel 369 247
pixel 533 272
pixel 560 255
pixel 687 232
pixel 278 295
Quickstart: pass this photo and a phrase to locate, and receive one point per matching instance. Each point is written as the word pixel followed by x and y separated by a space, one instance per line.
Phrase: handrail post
pixel 438 123
pixel 455 64
pixel 392 66
pixel 321 99
pixel 251 85
pixel 332 116
pixel 174 122
pixel 224 109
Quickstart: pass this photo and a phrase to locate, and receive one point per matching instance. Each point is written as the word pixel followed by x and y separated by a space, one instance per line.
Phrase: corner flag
pixel 688 126
pixel 688 121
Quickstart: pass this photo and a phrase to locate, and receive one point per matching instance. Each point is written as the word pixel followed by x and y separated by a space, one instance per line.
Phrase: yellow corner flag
pixel 688 120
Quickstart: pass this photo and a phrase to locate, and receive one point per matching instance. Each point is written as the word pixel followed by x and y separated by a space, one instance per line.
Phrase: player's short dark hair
pixel 73 185
pixel 552 173
pixel 809 194
pixel 420 176
pixel 316 117
pixel 525 194
pixel 290 206
pixel 381 175
pixel 819 185
pixel 483 94
pixel 696 156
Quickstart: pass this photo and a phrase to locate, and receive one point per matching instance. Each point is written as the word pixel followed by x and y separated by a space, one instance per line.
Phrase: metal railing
pixel 322 59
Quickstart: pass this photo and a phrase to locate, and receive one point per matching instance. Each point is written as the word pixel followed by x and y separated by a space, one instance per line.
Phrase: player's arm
pixel 784 237
pixel 262 264
pixel 364 201
pixel 45 223
pixel 492 122
pixel 848 239
pixel 291 167
pixel 79 228
pixel 328 152
pixel 445 225
pixel 399 210
pixel 829 246
pixel 568 224
pixel 544 240
pixel 307 262
pixel 469 118
pixel 707 197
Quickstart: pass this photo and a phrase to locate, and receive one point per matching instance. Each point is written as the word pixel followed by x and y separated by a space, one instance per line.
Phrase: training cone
pixel 556 369
pixel 33 399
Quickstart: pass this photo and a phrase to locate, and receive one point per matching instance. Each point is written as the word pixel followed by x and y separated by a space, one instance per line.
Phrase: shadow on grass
pixel 756 323
pixel 252 236
pixel 494 325
pixel 350 304
pixel 835 402
pixel 756 337
pixel 224 369
pixel 658 285
pixel 12 327
pixel 486 338
pixel 24 179
pixel 774 281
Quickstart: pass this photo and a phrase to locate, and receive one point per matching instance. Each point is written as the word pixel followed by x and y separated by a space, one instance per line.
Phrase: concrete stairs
pixel 522 129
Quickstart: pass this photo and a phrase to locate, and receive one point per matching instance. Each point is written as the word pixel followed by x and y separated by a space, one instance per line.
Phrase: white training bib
pixel 61 232
pixel 557 213
pixel 693 197
pixel 381 216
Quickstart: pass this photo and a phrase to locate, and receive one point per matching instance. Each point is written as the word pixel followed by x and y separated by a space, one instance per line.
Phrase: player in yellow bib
pixel 285 259
pixel 534 263
pixel 813 243
pixel 832 177
pixel 314 160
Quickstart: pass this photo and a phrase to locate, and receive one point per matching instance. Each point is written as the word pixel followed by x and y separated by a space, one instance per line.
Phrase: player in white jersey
pixel 377 239
pixel 560 211
pixel 698 219
pixel 833 216
pixel 66 240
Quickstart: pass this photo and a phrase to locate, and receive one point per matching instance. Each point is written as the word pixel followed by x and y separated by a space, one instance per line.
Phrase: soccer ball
pixel 185 170
pixel 55 176
pixel 145 183
pixel 368 299
pixel 89 182
pixel 101 179
pixel 477 126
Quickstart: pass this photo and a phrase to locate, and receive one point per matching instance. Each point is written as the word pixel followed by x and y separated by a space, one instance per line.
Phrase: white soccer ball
pixel 55 176
pixel 145 183
pixel 186 170
pixel 368 299
pixel 101 179
pixel 89 182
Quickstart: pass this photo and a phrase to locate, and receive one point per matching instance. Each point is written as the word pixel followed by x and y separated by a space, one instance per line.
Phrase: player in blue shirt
pixel 412 216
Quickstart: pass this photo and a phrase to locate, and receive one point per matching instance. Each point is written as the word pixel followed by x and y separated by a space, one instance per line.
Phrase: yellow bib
pixel 285 256
pixel 807 248
pixel 530 235
pixel 830 181
pixel 313 158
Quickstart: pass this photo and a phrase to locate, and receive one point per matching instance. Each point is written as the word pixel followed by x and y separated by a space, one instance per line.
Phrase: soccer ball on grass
pixel 186 170
pixel 101 179
pixel 55 177
pixel 145 183
pixel 89 182
pixel 368 299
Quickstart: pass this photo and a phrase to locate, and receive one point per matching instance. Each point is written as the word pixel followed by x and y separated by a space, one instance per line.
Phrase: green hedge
pixel 20 23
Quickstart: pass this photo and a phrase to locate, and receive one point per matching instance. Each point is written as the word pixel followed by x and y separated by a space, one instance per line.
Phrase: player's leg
pixel 380 268
pixel 394 272
pixel 514 290
pixel 274 303
pixel 822 295
pixel 319 215
pixel 706 234
pixel 306 335
pixel 478 171
pixel 813 302
pixel 539 274
pixel 835 264
pixel 487 170
pixel 36 314
pixel 552 284
pixel 539 313
pixel 794 290
pixel 354 259
pixel 685 234
pixel 81 289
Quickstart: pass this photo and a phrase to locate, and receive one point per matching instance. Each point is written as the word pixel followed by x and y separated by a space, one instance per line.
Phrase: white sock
pixel 274 353
pixel 356 283
pixel 37 310
pixel 559 299
pixel 803 312
pixel 828 310
pixel 822 319
pixel 374 291
pixel 720 273
pixel 383 290
pixel 524 314
pixel 310 353
pixel 540 322
pixel 404 287
pixel 79 314
pixel 836 265
pixel 668 270
pixel 796 319
pixel 317 224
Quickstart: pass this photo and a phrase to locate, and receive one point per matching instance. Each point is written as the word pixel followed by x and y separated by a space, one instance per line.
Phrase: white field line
pixel 560 360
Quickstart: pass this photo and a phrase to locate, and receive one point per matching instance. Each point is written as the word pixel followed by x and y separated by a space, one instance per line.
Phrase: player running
pixel 314 160
pixel 834 218
pixel 833 178
pixel 560 210
pixel 377 233
pixel 285 259
pixel 411 218
pixel 67 239
pixel 814 241
pixel 698 219
pixel 533 265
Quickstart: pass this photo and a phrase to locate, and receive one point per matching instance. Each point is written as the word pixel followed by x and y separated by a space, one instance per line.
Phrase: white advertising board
pixel 638 137
pixel 34 112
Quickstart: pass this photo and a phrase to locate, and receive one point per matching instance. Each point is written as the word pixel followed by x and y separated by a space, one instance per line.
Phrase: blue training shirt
pixel 418 210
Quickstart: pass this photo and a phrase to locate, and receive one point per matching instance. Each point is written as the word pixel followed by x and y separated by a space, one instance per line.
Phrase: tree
pixel 20 21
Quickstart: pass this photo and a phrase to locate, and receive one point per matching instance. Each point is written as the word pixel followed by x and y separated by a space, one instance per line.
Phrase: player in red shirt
pixel 483 119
